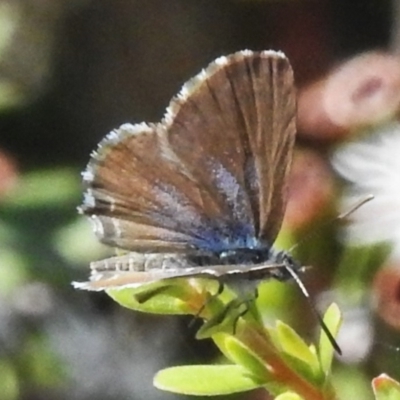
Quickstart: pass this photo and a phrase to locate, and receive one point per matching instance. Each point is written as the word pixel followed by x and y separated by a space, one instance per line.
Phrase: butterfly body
pixel 134 269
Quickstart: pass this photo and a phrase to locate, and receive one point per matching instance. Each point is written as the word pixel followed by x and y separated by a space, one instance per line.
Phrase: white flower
pixel 371 165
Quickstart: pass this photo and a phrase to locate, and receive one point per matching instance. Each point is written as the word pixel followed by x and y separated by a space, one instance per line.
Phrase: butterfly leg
pixel 208 301
pixel 247 303
pixel 146 295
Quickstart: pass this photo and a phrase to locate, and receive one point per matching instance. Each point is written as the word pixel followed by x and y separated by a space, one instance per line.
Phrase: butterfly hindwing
pixel 135 269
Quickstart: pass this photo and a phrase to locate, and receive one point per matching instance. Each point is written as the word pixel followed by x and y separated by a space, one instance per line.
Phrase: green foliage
pixel 285 364
pixel 205 380
pixel 274 358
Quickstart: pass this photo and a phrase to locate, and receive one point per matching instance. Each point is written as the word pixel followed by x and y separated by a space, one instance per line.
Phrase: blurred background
pixel 72 70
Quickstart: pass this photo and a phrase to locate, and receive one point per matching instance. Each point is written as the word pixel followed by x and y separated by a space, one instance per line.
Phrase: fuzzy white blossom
pixel 371 165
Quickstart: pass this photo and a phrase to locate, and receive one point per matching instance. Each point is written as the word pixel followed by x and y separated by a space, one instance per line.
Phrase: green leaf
pixel 386 388
pixel 174 296
pixel 333 320
pixel 293 345
pixel 239 353
pixel 160 298
pixel 205 380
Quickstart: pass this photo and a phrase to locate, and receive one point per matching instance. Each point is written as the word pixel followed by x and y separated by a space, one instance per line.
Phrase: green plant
pixel 275 358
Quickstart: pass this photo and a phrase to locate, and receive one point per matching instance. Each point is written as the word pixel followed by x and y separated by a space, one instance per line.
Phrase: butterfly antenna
pixel 342 216
pixel 314 310
pixel 355 207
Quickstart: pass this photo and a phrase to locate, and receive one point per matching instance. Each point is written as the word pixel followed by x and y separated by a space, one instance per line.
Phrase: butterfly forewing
pixel 274 145
pixel 233 127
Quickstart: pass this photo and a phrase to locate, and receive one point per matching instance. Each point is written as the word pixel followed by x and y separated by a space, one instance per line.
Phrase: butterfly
pixel 203 192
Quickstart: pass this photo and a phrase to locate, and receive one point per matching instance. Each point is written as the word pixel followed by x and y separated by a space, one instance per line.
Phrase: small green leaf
pixel 293 345
pixel 289 396
pixel 386 388
pixel 333 320
pixel 205 380
pixel 161 298
pixel 239 353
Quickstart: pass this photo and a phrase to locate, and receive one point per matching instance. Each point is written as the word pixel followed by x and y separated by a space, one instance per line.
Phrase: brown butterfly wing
pixel 235 132
pixel 138 196
pixel 212 174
